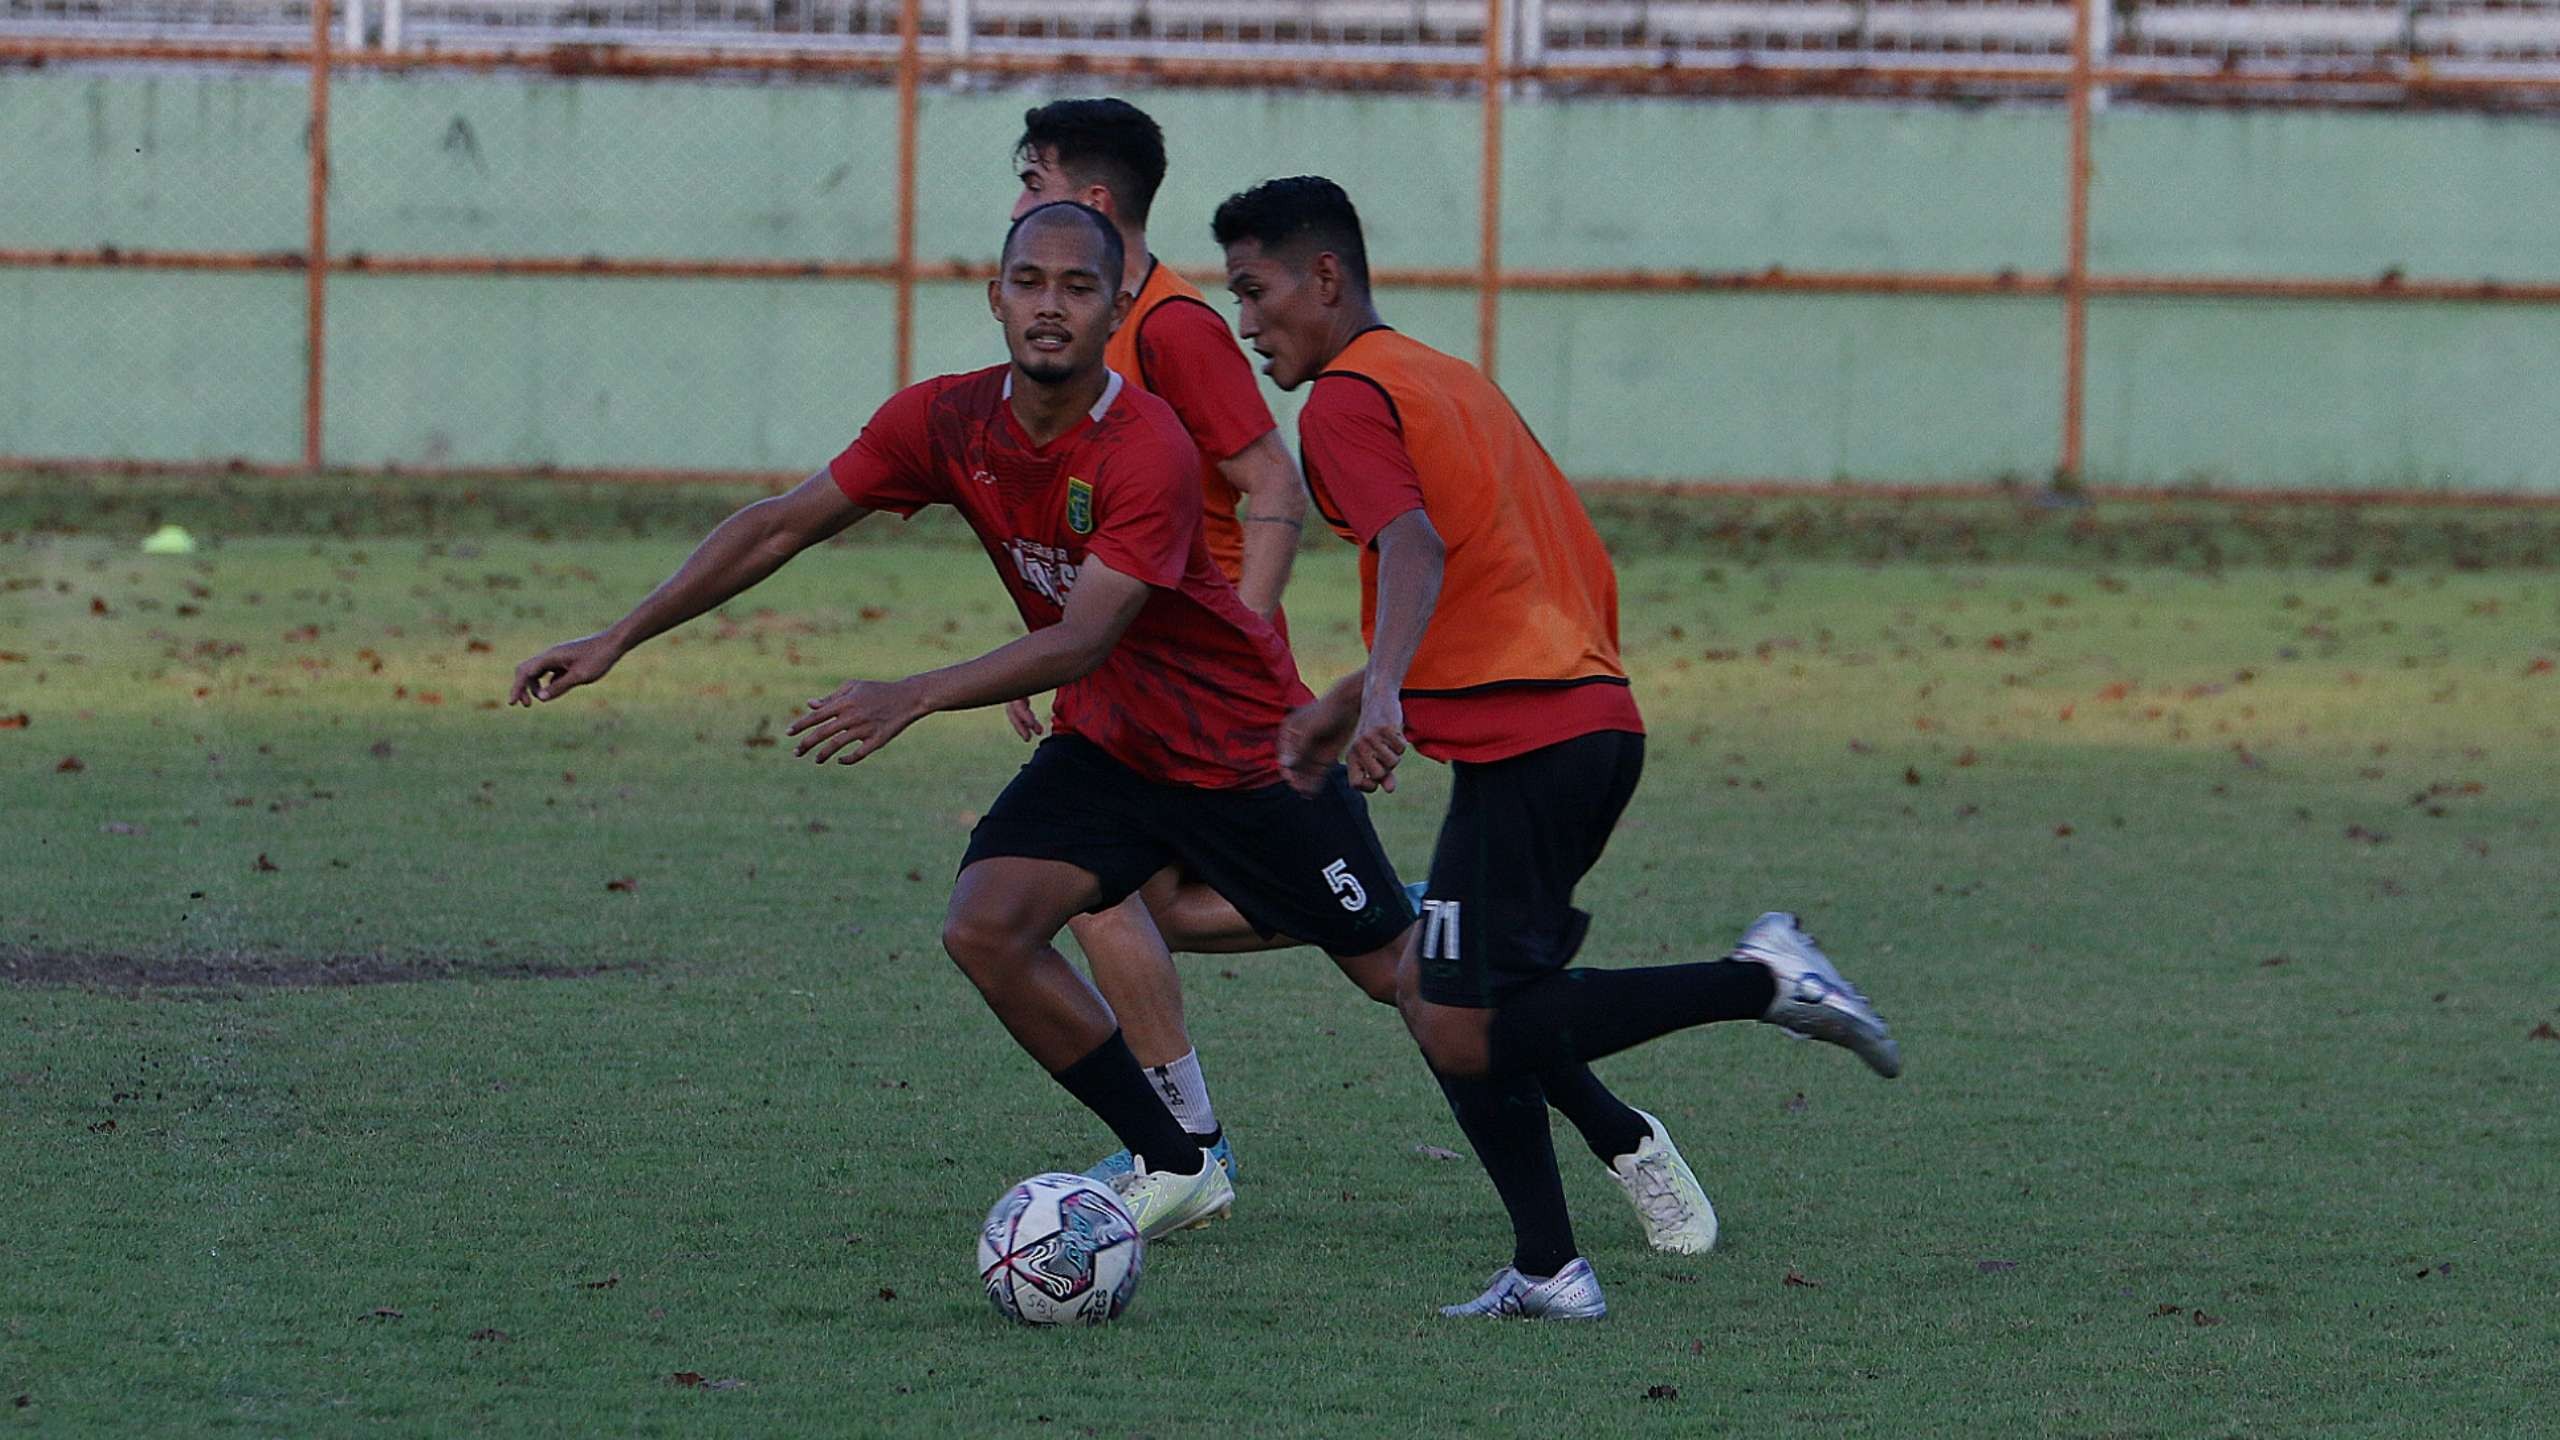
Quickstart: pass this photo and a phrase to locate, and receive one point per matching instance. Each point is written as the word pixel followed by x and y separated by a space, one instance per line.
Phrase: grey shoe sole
pixel 1868 1041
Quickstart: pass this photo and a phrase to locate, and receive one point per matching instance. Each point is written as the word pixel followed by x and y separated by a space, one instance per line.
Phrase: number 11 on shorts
pixel 1439 929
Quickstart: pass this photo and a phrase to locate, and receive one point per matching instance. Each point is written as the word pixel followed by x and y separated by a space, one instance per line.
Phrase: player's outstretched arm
pixel 1411 556
pixel 863 715
pixel 1275 515
pixel 733 558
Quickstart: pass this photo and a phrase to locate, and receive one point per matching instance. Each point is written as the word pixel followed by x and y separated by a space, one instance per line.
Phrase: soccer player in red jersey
pixel 1085 494
pixel 1109 155
pixel 1491 613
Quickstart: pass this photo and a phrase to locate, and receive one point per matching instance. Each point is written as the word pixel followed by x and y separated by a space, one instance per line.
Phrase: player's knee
pixel 1452 1042
pixel 1115 926
pixel 979 944
pixel 1454 1054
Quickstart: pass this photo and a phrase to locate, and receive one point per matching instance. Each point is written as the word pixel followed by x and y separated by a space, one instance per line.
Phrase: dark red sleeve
pixel 1146 507
pixel 1187 356
pixel 889 466
pixel 1353 449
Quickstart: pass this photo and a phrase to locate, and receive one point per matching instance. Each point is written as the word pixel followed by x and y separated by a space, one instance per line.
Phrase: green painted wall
pixel 777 375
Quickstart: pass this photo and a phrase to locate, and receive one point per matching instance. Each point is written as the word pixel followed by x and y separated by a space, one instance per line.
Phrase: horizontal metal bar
pixel 1754 75
pixel 605 267
pixel 2389 286
pixel 273 470
pixel 116 257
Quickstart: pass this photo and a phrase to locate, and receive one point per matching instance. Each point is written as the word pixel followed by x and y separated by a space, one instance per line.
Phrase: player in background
pixel 1491 613
pixel 1085 494
pixel 1108 154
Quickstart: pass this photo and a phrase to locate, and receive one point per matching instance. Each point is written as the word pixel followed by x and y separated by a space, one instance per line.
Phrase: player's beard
pixel 1047 369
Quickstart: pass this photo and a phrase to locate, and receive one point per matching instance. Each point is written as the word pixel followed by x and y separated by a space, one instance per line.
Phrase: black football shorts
pixel 1310 868
pixel 1520 834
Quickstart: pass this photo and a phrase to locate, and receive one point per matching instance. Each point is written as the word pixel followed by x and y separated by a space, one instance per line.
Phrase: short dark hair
pixel 1305 212
pixel 1108 142
pixel 1115 255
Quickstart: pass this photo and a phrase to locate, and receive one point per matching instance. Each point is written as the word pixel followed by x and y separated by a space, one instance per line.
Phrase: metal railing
pixel 1494 47
pixel 2460 36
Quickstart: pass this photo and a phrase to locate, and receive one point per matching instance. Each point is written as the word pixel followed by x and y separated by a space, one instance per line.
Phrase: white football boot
pixel 1666 1194
pixel 1813 1001
pixel 1162 1203
pixel 1572 1293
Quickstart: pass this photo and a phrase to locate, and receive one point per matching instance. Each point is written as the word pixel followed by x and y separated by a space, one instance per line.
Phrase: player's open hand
pixel 1377 744
pixel 857 719
pixel 1024 720
pixel 1311 740
pixel 563 668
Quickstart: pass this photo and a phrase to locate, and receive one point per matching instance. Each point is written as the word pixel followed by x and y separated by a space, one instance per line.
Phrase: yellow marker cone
pixel 169 540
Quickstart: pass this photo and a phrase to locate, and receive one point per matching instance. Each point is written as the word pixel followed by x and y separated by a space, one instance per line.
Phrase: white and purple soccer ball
pixel 1060 1249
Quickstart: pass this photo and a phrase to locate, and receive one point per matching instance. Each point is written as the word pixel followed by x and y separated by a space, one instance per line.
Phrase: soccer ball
pixel 1060 1249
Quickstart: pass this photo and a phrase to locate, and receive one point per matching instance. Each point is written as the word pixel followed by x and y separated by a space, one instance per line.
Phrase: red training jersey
pixel 1360 467
pixel 1176 345
pixel 1195 691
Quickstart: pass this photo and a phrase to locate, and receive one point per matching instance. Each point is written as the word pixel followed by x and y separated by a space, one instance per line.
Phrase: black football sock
pixel 1609 1125
pixel 1208 1141
pixel 1109 1083
pixel 1506 1122
pixel 1586 1014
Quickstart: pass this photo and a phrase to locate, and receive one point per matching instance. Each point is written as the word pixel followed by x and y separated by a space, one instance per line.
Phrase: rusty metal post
pixel 1489 198
pixel 315 267
pixel 2075 256
pixel 909 64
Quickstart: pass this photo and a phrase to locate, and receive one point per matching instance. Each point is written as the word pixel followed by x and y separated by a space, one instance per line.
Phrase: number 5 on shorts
pixel 1346 886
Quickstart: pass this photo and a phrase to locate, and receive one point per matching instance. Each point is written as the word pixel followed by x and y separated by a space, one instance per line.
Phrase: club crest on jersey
pixel 1079 506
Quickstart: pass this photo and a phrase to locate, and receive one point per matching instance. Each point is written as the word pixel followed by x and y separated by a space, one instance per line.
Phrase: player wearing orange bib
pixel 1109 155
pixel 1491 613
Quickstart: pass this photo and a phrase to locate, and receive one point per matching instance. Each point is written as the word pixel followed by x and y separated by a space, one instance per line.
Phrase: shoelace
pixel 1511 1285
pixel 1657 1196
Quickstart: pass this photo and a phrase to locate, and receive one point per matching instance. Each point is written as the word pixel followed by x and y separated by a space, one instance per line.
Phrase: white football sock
pixel 1185 1093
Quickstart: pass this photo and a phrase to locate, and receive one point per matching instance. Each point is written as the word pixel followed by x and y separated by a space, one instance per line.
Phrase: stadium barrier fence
pixel 2082 82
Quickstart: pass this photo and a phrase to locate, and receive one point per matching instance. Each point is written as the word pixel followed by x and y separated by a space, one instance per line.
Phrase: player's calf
pixel 1002 916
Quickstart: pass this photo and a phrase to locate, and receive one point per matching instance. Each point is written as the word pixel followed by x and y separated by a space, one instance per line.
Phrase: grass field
pixel 378 1060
